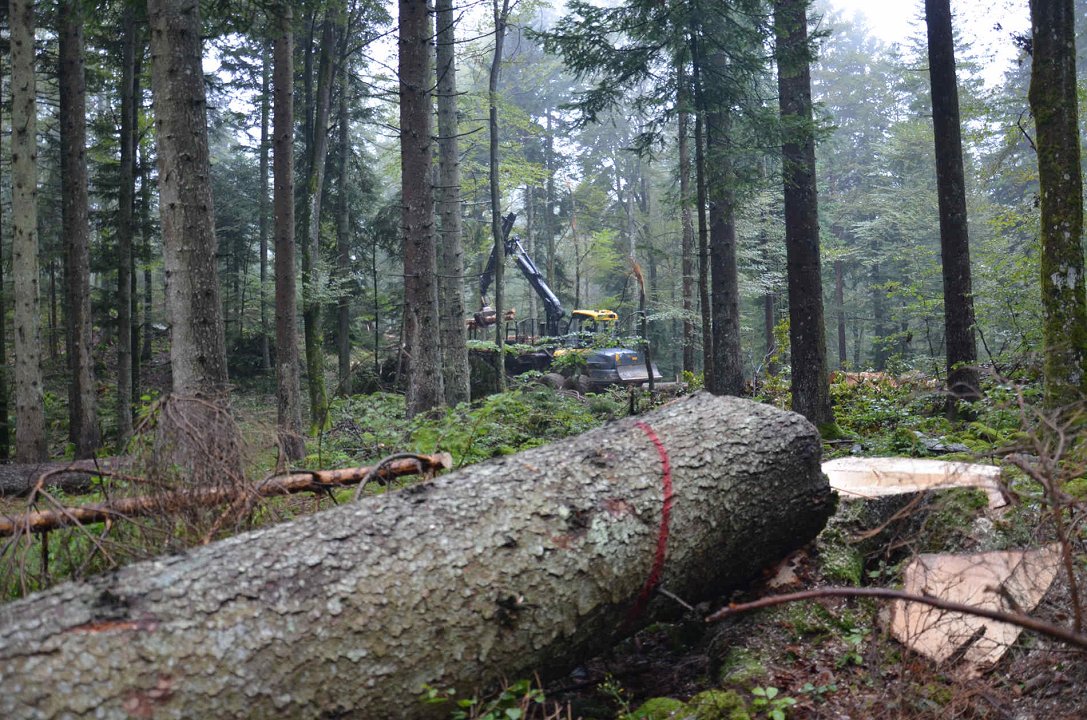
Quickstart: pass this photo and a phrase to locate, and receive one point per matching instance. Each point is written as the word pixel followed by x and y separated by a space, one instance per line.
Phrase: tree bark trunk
pixel 728 370
pixel 82 391
pixel 125 224
pixel 343 217
pixel 528 562
pixel 311 225
pixel 30 443
pixel 451 280
pixel 288 383
pixel 807 332
pixel 198 344
pixel 425 389
pixel 686 220
pixel 265 151
pixel 959 343
pixel 1053 103
pixel 500 14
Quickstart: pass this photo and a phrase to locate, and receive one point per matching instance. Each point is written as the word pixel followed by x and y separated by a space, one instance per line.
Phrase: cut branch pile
pixel 293 482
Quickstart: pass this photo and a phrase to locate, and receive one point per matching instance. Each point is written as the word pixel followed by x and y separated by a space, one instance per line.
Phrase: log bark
pixel 528 562
pixel 70 476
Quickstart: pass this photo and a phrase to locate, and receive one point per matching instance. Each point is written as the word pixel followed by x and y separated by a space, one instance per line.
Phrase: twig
pixel 1057 632
pixel 294 482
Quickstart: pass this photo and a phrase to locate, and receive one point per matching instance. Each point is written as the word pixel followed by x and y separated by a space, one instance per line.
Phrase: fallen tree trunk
pixel 70 476
pixel 294 482
pixel 528 562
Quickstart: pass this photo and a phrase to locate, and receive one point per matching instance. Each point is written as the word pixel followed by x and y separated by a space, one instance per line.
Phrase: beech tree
pixel 960 348
pixel 1053 101
pixel 30 441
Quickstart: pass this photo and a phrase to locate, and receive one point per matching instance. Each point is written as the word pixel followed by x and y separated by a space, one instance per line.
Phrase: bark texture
pixel 451 280
pixel 30 445
pixel 198 345
pixel 82 390
pixel 126 195
pixel 529 561
pixel 960 347
pixel 288 382
pixel 807 332
pixel 1053 103
pixel 425 390
pixel 310 222
pixel 683 111
pixel 728 369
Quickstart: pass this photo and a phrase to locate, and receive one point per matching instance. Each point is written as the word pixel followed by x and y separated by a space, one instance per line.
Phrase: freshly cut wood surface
pixel 862 477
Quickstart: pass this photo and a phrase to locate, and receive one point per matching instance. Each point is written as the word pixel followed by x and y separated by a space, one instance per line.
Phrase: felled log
pixel 70 475
pixel 294 482
pixel 527 562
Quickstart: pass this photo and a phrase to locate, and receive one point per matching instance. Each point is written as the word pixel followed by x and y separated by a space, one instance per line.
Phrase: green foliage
pixel 369 427
pixel 770 701
pixel 514 702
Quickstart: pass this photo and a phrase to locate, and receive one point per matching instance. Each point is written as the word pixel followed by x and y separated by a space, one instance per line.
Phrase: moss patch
pixel 662 708
pixel 718 705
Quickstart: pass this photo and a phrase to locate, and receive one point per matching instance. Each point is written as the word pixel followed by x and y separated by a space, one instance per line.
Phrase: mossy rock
pixel 662 708
pixel 717 705
pixel 841 562
pixel 742 667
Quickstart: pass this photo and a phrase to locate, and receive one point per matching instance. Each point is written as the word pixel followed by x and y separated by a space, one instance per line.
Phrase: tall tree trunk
pixel 687 222
pixel 5 377
pixel 147 230
pixel 311 226
pixel 839 305
pixel 500 14
pixel 550 200
pixel 454 335
pixel 527 563
pixel 1053 103
pixel 198 345
pixel 728 372
pixel 288 383
pixel 807 334
pixel 703 226
pixel 265 148
pixel 961 350
pixel 343 224
pixel 417 218
pixel 125 217
pixel 880 331
pixel 82 391
pixel 30 441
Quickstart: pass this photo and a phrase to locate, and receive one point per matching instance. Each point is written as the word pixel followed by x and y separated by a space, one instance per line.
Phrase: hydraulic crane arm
pixel 552 307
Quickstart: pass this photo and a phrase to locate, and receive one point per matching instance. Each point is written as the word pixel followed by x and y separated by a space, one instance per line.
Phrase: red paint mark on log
pixel 662 534
pixel 145 625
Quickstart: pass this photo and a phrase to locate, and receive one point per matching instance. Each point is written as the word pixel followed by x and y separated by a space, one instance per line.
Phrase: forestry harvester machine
pixel 585 332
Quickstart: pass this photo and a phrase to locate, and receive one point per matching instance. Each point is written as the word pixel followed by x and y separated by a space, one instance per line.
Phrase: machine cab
pixel 585 325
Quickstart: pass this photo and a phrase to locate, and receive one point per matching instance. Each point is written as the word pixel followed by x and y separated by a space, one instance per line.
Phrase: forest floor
pixel 827 658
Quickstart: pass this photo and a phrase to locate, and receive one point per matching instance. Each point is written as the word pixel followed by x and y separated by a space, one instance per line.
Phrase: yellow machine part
pixel 598 315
